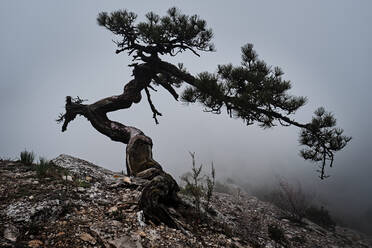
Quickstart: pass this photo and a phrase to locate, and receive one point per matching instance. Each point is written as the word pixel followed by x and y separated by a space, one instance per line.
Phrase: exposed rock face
pixel 100 208
pixel 83 168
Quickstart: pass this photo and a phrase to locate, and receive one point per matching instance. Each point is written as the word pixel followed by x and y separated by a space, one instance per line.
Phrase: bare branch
pixel 152 88
pixel 153 109
pixel 166 86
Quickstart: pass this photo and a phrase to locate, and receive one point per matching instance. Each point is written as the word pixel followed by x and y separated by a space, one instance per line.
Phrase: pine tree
pixel 253 91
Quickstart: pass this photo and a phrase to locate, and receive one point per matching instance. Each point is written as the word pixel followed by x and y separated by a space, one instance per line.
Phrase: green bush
pixel 197 185
pixel 321 217
pixel 27 158
pixel 42 167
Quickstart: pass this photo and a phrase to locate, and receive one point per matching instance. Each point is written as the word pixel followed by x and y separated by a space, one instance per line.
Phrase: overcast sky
pixel 51 49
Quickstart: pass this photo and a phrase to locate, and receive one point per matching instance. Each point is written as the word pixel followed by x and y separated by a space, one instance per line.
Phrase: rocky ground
pixel 77 204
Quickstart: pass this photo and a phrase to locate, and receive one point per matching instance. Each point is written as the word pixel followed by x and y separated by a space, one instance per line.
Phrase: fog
pixel 51 49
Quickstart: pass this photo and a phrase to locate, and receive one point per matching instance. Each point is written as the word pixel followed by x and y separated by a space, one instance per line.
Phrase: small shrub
pixel 291 199
pixel 197 185
pixel 193 185
pixel 82 183
pixel 321 217
pixel 42 167
pixel 27 158
pixel 211 181
pixel 46 168
pixel 56 171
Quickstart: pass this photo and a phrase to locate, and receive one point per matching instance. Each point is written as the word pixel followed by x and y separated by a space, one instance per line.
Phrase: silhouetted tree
pixel 253 91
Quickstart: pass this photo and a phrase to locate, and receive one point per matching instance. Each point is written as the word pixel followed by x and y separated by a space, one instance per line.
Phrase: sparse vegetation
pixel 291 199
pixel 250 223
pixel 42 167
pixel 82 183
pixel 210 181
pixel 193 182
pixel 45 168
pixel 296 203
pixel 253 221
pixel 320 216
pixel 27 157
pixel 197 185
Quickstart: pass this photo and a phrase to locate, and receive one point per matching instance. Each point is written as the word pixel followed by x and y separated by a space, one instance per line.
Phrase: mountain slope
pixel 74 203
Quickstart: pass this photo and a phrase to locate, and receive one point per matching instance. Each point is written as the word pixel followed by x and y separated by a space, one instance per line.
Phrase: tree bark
pixel 162 189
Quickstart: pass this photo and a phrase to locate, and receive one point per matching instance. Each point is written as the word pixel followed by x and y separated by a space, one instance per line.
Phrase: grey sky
pixel 51 49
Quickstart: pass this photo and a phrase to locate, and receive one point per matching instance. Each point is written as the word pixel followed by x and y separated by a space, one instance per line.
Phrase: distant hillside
pixel 70 202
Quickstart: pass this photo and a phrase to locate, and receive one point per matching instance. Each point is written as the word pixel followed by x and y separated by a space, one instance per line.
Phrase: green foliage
pixel 254 91
pixel 27 158
pixel 82 183
pixel 320 216
pixel 322 139
pixel 169 34
pixel 45 168
pixel 42 167
pixel 197 185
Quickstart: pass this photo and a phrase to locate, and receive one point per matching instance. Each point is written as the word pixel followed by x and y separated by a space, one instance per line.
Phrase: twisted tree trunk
pixel 162 188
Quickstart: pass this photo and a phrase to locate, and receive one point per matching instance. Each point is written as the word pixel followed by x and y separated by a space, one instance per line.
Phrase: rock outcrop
pixel 79 204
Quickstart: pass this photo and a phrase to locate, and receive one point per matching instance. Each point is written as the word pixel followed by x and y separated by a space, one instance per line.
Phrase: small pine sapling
pixel 210 181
